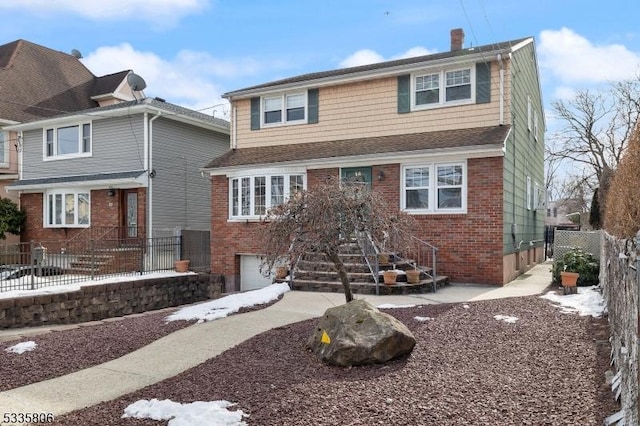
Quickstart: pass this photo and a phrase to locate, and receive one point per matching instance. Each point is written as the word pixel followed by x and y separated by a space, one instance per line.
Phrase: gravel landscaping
pixel 547 367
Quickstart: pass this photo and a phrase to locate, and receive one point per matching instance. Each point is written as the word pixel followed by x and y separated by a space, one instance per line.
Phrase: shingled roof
pixel 38 82
pixel 382 145
pixel 381 66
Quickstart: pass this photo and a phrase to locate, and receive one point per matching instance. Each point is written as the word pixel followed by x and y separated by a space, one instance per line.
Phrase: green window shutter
pixel 404 95
pixel 483 83
pixel 312 99
pixel 255 113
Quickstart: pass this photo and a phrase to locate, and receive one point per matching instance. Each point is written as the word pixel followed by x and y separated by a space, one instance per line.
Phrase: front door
pixel 356 174
pixel 129 213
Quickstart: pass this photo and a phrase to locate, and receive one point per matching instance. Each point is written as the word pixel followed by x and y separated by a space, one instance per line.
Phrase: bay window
pixel 253 196
pixel 67 209
pixel 434 188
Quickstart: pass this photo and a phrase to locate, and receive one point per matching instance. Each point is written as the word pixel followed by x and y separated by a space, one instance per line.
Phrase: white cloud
pixel 186 79
pixel 413 52
pixel 368 56
pixel 161 12
pixel 361 57
pixel 573 59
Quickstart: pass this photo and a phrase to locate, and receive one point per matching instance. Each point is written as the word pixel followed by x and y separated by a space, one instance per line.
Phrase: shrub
pixel 580 261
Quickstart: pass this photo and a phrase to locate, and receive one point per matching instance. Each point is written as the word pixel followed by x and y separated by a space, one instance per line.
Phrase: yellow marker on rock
pixel 325 338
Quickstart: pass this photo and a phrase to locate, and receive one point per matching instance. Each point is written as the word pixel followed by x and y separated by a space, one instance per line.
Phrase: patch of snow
pixel 224 306
pixel 197 413
pixel 465 306
pixel 423 319
pixel 506 318
pixel 392 306
pixel 22 347
pixel 588 301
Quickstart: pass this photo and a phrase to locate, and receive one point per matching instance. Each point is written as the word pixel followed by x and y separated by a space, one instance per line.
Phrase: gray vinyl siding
pixel 181 196
pixel 117 146
pixel 524 155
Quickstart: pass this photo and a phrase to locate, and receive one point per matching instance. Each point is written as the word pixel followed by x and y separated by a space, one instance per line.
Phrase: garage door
pixel 250 276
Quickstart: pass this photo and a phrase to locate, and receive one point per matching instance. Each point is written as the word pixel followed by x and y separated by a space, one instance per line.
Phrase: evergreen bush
pixel 580 261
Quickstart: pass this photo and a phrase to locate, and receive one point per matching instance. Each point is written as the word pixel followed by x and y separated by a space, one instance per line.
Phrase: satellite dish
pixel 76 53
pixel 136 82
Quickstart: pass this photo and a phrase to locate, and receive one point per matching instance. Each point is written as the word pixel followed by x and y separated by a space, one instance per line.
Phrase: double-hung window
pixel 4 151
pixel 67 208
pixel 434 188
pixel 68 141
pixel 289 108
pixel 443 87
pixel 253 196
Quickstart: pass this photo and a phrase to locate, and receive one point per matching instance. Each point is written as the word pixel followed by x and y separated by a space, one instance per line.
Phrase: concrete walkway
pixel 167 356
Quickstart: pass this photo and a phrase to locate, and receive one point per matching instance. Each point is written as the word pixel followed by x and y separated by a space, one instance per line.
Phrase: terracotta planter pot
pixel 181 265
pixel 569 279
pixel 389 277
pixel 413 276
pixel 281 272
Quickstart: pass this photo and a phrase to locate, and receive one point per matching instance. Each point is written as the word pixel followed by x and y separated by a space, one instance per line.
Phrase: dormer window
pixel 68 141
pixel 284 109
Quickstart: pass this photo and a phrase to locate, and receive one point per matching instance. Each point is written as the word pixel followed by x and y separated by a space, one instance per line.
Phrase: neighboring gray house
pixel 130 170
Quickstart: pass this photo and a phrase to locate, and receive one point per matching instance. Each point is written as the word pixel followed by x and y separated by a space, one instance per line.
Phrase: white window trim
pixel 529 194
pixel 78 154
pixel 283 103
pixel 442 87
pixel 5 149
pixel 529 115
pixel 267 176
pixel 63 192
pixel 535 125
pixel 433 188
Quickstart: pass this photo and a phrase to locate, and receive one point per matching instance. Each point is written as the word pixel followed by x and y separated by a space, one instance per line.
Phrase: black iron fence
pixel 29 266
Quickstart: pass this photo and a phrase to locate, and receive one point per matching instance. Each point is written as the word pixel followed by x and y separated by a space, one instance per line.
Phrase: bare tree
pixel 597 126
pixel 323 219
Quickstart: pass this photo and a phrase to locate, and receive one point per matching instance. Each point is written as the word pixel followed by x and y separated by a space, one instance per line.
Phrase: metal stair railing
pixel 415 251
pixel 371 255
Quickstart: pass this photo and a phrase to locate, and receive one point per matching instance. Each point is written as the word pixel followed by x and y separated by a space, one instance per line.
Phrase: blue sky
pixel 190 52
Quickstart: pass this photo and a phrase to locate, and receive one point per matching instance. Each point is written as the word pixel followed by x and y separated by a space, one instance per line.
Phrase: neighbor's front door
pixel 356 174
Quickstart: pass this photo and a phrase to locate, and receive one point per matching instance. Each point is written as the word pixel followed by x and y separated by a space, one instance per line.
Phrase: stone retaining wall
pixel 620 289
pixel 96 302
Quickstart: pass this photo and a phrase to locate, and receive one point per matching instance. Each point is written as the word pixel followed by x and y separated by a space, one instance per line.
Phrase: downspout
pixel 499 58
pixel 234 124
pixel 150 175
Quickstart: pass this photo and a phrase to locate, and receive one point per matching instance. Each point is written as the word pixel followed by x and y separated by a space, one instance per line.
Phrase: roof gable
pixel 38 82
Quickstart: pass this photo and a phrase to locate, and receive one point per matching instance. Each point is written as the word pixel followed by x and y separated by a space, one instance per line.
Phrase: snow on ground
pixel 392 306
pixel 506 318
pixel 222 307
pixel 588 301
pixel 422 319
pixel 197 413
pixel 22 347
pixel 82 281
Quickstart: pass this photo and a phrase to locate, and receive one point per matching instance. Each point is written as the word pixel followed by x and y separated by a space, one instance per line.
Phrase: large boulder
pixel 357 333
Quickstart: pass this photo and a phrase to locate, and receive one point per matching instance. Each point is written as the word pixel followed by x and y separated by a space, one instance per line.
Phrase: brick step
pixel 323 275
pixel 305 265
pixel 423 286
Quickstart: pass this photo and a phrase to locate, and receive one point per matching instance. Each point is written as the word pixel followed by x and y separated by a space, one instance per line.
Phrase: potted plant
pixel 281 272
pixel 576 267
pixel 413 276
pixel 390 276
pixel 181 265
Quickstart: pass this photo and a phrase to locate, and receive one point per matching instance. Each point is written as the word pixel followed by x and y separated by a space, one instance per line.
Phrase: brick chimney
pixel 457 39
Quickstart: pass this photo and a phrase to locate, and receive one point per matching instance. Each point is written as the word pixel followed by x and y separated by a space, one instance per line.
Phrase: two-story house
pixel 131 168
pixel 454 138
pixel 37 82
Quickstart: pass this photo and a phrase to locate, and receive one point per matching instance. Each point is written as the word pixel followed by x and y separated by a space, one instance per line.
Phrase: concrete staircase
pixel 316 273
